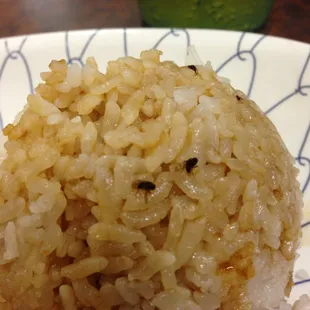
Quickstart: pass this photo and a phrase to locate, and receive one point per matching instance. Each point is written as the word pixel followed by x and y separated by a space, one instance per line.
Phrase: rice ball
pixel 149 186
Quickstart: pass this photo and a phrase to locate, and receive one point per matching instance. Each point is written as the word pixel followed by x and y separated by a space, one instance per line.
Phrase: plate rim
pixel 142 29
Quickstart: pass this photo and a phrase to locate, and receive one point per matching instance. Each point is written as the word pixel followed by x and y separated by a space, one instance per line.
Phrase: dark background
pixel 289 18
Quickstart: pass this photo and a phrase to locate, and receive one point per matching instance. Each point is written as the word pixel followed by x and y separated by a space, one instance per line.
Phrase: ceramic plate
pixel 274 72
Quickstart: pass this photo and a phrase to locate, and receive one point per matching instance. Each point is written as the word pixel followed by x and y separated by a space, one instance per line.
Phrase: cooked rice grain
pixel 77 231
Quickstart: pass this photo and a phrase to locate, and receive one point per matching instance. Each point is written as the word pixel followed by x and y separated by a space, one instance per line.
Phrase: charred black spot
pixel 190 164
pixel 192 67
pixel 238 98
pixel 146 185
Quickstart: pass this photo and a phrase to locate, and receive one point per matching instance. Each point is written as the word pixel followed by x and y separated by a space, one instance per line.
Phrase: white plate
pixel 274 72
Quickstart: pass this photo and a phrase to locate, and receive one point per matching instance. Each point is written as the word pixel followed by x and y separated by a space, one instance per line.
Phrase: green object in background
pixel 219 14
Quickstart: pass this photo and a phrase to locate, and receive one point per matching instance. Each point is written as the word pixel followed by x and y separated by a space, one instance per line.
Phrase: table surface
pixel 289 18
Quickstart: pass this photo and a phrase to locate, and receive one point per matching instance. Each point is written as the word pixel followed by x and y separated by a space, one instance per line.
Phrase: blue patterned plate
pixel 274 72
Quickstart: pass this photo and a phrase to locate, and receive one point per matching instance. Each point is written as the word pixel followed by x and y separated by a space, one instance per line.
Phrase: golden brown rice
pixel 77 231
